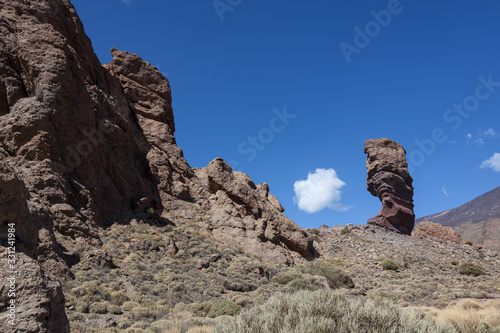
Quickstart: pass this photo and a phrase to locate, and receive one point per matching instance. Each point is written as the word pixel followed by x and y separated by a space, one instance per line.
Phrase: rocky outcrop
pixel 389 180
pixel 240 212
pixel 249 217
pixel 82 143
pixel 436 230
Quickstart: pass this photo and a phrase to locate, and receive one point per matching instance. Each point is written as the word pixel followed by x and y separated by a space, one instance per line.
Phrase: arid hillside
pixel 478 220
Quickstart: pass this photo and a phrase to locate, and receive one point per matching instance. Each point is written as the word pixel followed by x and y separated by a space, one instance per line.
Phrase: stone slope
pixel 428 267
pixel 477 220
pixel 82 143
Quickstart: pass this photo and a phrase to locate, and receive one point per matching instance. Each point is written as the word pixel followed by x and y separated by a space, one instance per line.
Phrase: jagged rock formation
pixel 389 180
pixel 82 143
pixel 477 220
pixel 436 230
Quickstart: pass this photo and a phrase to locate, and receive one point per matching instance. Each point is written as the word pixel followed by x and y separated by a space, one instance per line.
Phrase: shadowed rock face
pixel 389 180
pixel 82 143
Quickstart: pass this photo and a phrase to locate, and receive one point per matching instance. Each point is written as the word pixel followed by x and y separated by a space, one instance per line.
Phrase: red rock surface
pixel 436 230
pixel 389 180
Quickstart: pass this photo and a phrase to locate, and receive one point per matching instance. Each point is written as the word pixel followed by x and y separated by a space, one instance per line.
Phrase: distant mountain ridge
pixel 478 220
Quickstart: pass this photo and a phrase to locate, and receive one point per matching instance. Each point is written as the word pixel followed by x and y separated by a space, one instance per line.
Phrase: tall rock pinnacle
pixel 389 180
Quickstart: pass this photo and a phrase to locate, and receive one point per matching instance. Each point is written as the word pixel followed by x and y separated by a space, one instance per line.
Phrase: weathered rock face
pixel 389 180
pixel 82 143
pixel 436 230
pixel 248 216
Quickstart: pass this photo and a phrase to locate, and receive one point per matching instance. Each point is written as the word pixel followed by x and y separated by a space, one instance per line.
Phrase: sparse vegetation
pixel 470 269
pixel 468 242
pixel 345 231
pixel 152 290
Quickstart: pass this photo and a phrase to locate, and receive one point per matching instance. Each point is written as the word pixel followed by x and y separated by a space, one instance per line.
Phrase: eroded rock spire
pixel 389 180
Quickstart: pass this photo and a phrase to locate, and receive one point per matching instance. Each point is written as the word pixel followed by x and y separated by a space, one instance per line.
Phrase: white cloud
pixel 444 191
pixel 493 162
pixel 321 189
pixel 127 2
pixel 489 132
pixel 481 137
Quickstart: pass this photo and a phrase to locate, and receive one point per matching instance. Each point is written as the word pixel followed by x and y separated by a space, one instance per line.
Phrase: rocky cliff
pixel 83 143
pixel 389 180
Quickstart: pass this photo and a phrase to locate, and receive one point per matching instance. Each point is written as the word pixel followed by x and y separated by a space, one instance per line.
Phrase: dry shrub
pixel 470 316
pixel 336 277
pixel 201 329
pixel 470 269
pixel 327 311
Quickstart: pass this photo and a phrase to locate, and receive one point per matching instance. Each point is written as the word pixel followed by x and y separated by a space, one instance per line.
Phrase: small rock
pixel 202 263
pixel 123 325
pixel 214 257
pixel 101 258
pixel 170 245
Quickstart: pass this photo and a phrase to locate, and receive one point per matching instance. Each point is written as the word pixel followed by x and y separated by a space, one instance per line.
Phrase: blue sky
pixel 283 88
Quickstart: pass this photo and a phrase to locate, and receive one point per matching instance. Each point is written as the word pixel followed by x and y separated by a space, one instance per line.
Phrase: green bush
pixel 327 311
pixel 114 309
pixel 389 265
pixel 285 279
pixel 82 307
pixel 345 231
pixel 225 308
pixel 200 309
pixel 311 284
pixel 455 262
pixel 336 277
pixel 470 269
pixel 209 309
pixel 99 307
pixel 314 231
pixel 468 242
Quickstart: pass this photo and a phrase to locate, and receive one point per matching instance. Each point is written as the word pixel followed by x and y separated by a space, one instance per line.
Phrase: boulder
pixel 436 230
